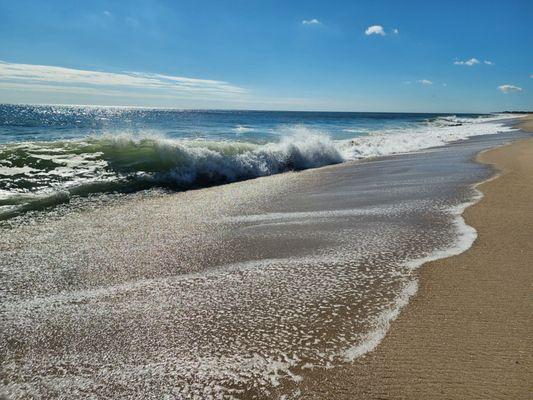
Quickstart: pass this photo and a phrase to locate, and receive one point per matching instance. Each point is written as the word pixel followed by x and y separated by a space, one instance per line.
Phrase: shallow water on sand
pixel 233 290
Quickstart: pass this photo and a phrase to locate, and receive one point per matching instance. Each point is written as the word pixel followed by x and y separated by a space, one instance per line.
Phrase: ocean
pixel 50 154
pixel 139 259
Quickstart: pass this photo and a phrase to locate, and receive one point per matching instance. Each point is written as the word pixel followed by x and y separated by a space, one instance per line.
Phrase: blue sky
pixel 449 56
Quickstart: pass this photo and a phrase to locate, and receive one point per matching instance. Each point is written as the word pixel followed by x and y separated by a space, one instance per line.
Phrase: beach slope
pixel 467 333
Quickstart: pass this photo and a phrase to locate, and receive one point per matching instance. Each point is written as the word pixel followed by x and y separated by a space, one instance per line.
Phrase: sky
pixel 404 56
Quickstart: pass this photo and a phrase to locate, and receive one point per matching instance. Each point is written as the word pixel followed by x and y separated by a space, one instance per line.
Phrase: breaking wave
pixel 42 173
pixel 34 175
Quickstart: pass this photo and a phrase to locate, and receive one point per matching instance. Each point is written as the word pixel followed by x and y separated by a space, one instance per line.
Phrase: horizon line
pixel 257 110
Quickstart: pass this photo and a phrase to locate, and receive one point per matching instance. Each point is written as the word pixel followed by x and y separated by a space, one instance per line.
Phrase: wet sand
pixel 467 333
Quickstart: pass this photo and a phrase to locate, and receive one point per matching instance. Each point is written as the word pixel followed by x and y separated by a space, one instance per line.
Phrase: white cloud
pixel 375 30
pixel 488 62
pixel 509 88
pixel 107 13
pixel 313 21
pixel 425 82
pixel 470 63
pixel 396 31
pixel 38 75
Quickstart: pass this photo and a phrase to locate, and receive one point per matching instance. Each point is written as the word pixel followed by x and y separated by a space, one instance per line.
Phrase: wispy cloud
pixel 396 31
pixel 470 63
pixel 375 30
pixel 61 78
pixel 132 22
pixel 313 21
pixel 425 82
pixel 509 88
pixel 488 62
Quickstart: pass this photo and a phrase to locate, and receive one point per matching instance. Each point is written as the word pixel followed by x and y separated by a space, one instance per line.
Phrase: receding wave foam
pixel 464 239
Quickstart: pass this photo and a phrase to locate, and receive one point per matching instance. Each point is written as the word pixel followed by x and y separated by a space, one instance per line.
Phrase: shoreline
pixel 464 334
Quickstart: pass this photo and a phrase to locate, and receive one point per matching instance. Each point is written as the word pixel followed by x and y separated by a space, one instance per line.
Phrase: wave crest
pixel 202 162
pixel 38 170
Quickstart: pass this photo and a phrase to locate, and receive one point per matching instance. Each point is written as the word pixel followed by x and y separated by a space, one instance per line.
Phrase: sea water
pixel 49 154
pixel 143 275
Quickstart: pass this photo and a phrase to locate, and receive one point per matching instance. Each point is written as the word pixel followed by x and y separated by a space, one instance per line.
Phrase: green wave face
pixel 44 173
pixel 37 164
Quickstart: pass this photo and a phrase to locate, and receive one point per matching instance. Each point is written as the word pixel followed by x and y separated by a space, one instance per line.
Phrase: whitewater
pixel 36 174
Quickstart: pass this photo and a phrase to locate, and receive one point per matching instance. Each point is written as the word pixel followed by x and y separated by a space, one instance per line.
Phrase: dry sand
pixel 467 334
pixel 527 123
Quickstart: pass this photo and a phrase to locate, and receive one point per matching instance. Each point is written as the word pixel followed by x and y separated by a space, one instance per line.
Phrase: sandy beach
pixel 266 200
pixel 467 332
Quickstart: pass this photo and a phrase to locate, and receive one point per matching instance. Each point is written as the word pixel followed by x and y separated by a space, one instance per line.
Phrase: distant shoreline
pixel 466 333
